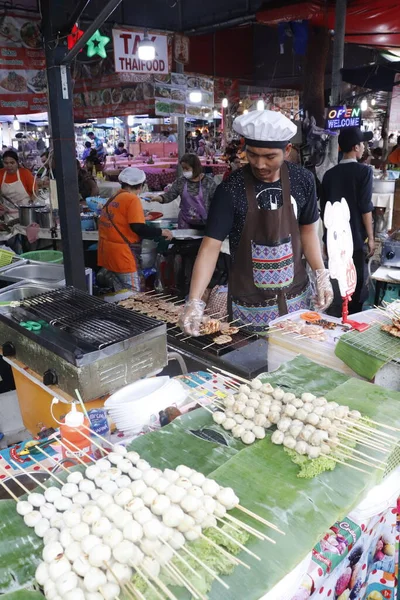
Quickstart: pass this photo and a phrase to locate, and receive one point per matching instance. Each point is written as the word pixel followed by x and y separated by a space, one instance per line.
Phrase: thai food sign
pixel 341 117
pixel 23 82
pixel 126 57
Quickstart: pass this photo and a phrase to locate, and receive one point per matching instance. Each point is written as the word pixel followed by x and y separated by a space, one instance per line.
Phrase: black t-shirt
pixel 227 213
pixel 352 181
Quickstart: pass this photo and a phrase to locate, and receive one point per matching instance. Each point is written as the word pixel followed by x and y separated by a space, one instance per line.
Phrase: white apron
pixel 13 194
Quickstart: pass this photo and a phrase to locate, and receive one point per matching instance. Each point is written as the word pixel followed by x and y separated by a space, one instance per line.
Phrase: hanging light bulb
pixel 16 124
pixel 245 112
pixel 373 102
pixel 225 103
pixel 195 96
pixel 146 48
pixel 364 104
pixel 260 104
pixel 131 120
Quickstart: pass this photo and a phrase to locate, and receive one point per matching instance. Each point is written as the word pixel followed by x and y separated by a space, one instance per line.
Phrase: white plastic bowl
pixel 132 407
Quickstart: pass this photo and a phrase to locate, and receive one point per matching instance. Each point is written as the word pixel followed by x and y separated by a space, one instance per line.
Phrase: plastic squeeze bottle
pixel 71 431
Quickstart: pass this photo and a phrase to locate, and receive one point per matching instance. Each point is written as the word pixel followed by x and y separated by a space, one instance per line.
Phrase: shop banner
pixel 23 83
pixel 172 95
pixel 126 44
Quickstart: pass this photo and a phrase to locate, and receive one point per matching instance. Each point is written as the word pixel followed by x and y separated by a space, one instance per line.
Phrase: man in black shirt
pixel 268 210
pixel 353 181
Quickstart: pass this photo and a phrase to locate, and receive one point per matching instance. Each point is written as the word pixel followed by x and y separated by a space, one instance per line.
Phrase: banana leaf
pixel 20 549
pixel 23 595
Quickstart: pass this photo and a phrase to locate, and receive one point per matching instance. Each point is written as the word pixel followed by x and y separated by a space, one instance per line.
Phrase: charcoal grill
pixel 84 342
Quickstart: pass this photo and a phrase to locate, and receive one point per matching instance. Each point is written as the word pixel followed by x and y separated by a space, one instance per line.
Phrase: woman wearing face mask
pixel 121 229
pixel 196 192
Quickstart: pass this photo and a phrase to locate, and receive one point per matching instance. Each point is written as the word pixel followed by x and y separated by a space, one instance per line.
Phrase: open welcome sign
pixel 340 117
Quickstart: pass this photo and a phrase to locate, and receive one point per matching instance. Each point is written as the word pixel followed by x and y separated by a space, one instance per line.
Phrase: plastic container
pixel 71 433
pixel 137 405
pixel 99 424
pixel 48 256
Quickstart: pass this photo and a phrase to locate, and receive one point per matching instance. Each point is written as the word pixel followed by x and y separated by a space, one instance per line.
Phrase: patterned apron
pixel 192 210
pixel 268 277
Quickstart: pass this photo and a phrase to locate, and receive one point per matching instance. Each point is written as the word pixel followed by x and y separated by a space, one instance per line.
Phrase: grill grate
pixel 240 339
pixel 86 318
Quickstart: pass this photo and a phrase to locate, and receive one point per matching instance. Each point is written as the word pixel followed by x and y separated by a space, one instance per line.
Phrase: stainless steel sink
pixel 33 272
pixel 22 292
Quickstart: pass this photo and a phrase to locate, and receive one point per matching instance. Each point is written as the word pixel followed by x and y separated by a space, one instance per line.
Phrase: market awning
pixel 368 22
pixel 374 77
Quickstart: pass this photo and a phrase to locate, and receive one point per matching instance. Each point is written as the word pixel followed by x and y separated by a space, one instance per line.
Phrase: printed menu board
pixel 23 83
pixel 172 95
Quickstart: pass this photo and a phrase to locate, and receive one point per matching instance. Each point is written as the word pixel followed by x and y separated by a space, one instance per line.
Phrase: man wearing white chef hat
pixel 269 211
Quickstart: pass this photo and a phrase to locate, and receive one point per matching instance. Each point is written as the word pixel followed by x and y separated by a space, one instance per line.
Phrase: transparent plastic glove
pixel 324 292
pixel 192 316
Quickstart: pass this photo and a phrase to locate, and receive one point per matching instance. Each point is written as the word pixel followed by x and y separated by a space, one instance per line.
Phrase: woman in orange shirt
pixel 121 229
pixel 16 186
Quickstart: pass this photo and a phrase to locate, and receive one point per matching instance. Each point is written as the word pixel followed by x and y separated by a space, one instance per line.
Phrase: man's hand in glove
pixel 324 291
pixel 192 317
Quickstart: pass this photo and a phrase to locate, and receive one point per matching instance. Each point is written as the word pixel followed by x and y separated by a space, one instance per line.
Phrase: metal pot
pixel 27 213
pixel 43 217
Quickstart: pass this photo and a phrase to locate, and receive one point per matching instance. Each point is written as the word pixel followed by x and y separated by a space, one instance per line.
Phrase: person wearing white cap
pixel 121 229
pixel 269 211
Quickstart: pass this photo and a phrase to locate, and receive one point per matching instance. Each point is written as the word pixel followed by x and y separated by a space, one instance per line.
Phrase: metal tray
pixel 33 272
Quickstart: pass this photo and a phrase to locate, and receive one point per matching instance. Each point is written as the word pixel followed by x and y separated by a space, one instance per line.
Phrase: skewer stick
pixel 85 412
pixel 208 346
pixel 249 529
pixel 241 546
pixel 28 474
pixel 182 580
pixel 64 468
pixel 13 496
pixel 242 379
pixel 367 437
pixel 205 407
pixel 78 458
pixel 228 384
pixel 158 581
pixel 134 592
pixel 176 553
pixel 358 460
pixel 370 430
pixel 150 583
pixel 382 462
pixel 21 485
pixel 121 585
pixel 94 443
pixel 99 436
pixel 229 556
pixel 347 465
pixel 363 442
pixel 258 518
pixel 47 470
pixel 381 424
pixel 205 567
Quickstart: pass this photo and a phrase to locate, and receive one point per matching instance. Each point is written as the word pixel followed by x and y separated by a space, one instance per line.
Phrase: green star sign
pixel 97 45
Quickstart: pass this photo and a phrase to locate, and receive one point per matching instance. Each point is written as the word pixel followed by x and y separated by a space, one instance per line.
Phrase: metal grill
pixel 240 339
pixel 87 319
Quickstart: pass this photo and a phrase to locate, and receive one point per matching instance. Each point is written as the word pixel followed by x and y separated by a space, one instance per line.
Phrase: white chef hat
pixel 132 176
pixel 265 128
